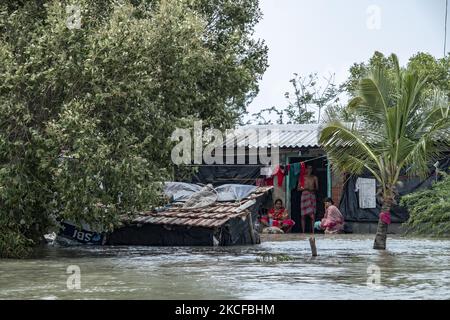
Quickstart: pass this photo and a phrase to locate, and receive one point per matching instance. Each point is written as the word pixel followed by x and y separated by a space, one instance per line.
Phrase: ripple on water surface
pixel 409 269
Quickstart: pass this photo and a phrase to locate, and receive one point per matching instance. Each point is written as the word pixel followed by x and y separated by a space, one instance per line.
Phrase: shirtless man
pixel 308 199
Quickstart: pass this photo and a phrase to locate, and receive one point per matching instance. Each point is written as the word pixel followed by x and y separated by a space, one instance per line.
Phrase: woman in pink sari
pixel 333 221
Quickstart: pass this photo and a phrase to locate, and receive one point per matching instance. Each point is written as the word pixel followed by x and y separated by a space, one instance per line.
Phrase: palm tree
pixel 397 130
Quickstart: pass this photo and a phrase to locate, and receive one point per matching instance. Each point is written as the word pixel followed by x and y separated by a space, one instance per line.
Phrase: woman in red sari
pixel 279 217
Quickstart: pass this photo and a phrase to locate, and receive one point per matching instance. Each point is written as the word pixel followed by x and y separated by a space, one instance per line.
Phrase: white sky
pixel 326 36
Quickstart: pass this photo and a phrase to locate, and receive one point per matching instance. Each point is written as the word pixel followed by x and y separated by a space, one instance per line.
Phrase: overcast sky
pixel 326 36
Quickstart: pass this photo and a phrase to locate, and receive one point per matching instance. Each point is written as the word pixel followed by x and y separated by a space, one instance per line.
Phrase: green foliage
pixel 398 127
pixel 338 112
pixel 437 71
pixel 14 244
pixel 86 114
pixel 429 210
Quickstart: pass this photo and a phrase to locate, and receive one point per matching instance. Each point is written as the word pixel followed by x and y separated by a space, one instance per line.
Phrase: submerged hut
pixel 221 223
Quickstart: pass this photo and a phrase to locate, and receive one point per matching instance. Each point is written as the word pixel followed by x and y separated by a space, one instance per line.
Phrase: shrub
pixel 429 210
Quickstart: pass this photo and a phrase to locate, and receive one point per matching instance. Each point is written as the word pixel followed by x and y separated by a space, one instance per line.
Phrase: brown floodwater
pixel 279 268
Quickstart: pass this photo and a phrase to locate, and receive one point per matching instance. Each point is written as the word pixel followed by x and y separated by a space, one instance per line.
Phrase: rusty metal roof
pixel 282 136
pixel 212 216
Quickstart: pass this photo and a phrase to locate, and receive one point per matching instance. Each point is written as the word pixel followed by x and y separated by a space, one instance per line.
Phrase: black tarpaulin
pixel 349 204
pixel 226 174
pixel 159 235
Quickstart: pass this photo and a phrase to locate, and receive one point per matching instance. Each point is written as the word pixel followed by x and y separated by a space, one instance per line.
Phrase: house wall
pixel 371 227
pixel 337 179
pixel 337 186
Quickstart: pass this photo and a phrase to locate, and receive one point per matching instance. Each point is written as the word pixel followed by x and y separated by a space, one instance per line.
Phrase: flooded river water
pixel 409 269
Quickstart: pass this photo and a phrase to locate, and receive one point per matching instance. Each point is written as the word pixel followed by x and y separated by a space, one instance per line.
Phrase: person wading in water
pixel 308 198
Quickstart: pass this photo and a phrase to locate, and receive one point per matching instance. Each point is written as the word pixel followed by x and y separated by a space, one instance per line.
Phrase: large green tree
pixel 398 128
pixel 86 112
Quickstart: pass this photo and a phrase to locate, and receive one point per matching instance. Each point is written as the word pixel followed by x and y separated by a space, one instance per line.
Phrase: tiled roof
pixel 212 216
pixel 283 136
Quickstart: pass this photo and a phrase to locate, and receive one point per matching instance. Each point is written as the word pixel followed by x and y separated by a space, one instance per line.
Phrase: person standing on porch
pixel 308 185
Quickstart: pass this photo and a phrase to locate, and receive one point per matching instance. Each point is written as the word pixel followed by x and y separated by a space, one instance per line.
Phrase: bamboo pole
pixel 250 224
pixel 312 243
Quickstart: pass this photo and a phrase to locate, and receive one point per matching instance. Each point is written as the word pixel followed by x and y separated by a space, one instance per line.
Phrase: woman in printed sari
pixel 279 217
pixel 333 221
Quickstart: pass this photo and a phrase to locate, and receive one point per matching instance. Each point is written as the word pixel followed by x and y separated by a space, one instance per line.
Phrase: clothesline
pixel 280 172
pixel 309 160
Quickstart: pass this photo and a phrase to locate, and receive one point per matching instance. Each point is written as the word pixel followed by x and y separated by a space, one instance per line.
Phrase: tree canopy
pixel 437 71
pixel 86 113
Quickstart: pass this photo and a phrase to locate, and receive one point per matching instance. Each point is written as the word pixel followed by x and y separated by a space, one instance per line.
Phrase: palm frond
pixel 372 101
pixel 348 150
pixel 398 128
pixel 434 138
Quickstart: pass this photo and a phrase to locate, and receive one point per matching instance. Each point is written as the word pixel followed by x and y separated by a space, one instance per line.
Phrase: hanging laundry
pixel 366 188
pixel 294 172
pixel 279 173
pixel 268 181
pixel 260 182
pixel 266 171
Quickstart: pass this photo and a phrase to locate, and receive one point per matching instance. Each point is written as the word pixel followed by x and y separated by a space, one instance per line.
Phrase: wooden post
pixel 312 243
pixel 250 224
pixel 246 205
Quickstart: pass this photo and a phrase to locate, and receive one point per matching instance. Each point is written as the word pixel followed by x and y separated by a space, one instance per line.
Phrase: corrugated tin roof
pixel 212 216
pixel 282 136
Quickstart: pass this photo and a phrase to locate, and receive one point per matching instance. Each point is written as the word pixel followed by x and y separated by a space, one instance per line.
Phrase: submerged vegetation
pixel 429 210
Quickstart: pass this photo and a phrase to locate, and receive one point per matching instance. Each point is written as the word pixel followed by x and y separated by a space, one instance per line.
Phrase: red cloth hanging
pixel 280 175
pixel 260 182
pixel 269 181
pixel 301 178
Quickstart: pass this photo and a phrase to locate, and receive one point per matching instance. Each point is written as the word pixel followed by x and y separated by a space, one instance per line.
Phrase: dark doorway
pixel 319 170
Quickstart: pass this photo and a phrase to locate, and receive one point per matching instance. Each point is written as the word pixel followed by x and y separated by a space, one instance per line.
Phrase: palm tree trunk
pixel 380 238
pixel 382 229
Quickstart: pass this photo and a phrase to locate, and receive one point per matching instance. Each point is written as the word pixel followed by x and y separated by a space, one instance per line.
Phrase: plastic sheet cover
pixel 234 192
pixel 180 191
pixel 203 198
